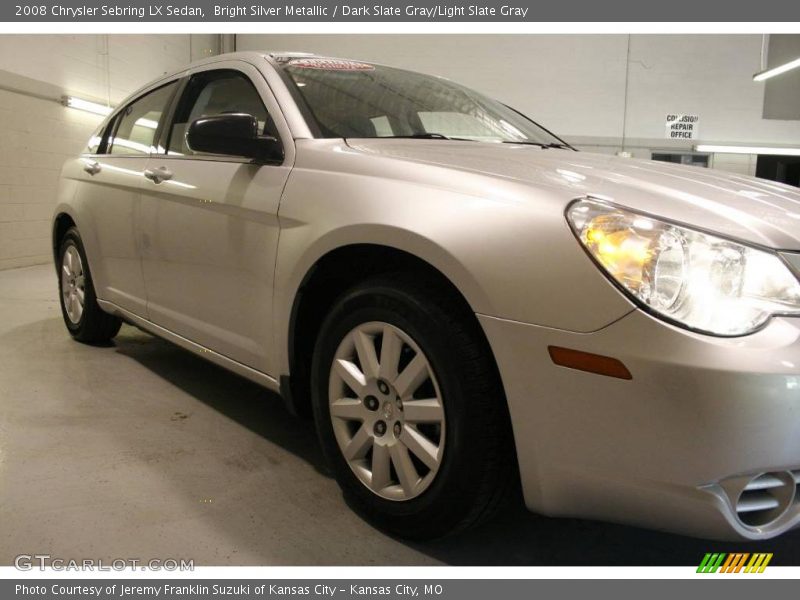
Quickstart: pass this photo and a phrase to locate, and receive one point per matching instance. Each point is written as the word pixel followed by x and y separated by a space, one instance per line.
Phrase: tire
pixel 85 321
pixel 468 464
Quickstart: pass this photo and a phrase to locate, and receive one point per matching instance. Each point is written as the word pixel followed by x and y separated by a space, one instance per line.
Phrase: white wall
pixel 38 134
pixel 575 84
pixel 708 75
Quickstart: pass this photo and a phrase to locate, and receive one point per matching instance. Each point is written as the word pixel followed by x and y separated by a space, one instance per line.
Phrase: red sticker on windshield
pixel 331 64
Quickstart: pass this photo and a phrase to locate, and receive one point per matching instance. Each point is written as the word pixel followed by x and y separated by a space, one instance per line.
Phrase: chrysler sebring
pixel 464 303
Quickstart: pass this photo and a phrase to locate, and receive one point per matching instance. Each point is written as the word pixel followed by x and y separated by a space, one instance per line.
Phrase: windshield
pixel 349 99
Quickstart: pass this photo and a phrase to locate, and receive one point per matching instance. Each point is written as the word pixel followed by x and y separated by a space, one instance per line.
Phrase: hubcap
pixel 387 411
pixel 73 284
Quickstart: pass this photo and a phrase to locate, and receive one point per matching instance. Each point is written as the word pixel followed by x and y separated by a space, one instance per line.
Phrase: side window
pixel 137 123
pixel 214 93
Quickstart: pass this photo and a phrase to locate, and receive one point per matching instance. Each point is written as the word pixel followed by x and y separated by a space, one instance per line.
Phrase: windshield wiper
pixel 540 144
pixel 425 136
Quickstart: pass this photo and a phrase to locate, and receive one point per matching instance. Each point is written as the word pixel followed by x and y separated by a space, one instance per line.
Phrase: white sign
pixel 682 127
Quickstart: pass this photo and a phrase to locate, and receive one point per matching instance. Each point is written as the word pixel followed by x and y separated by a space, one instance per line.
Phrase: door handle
pixel 158 175
pixel 92 168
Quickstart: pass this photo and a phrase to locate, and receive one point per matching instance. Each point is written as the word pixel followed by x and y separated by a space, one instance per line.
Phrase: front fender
pixel 504 245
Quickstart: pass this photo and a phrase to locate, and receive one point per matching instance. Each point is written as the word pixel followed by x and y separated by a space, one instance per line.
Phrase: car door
pixel 109 196
pixel 210 223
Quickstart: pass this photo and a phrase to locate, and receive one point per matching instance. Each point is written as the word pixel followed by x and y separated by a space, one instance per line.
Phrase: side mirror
pixel 234 134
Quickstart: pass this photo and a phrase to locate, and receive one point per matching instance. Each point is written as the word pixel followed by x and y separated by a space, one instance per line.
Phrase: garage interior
pixel 140 449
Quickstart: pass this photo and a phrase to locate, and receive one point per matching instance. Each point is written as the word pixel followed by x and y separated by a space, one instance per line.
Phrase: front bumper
pixel 670 449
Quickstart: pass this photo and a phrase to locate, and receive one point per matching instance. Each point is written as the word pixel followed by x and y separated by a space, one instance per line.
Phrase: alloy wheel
pixel 386 410
pixel 73 284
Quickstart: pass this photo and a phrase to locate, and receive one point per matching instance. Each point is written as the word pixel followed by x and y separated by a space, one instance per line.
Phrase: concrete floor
pixel 142 450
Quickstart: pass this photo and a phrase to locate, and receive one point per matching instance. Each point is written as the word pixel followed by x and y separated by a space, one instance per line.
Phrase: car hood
pixel 753 210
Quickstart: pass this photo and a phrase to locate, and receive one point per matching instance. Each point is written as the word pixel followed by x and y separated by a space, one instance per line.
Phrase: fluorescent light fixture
pixel 748 150
pixel 80 104
pixel 793 64
pixel 100 109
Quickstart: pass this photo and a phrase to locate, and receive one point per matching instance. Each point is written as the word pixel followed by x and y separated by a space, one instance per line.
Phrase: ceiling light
pixel 777 70
pixel 778 151
pixel 92 107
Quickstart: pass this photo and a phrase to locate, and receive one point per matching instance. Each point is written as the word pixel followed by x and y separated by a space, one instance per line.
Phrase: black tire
pixel 94 326
pixel 478 465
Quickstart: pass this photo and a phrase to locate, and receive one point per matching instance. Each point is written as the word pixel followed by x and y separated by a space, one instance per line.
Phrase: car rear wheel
pixel 409 409
pixel 84 318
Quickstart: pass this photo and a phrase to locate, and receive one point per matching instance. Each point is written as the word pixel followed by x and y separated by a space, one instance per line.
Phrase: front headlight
pixel 697 280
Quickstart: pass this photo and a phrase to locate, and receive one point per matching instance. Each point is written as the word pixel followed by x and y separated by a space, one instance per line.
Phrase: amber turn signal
pixel 591 363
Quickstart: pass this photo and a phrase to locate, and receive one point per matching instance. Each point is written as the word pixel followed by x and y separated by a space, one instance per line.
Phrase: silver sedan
pixel 458 297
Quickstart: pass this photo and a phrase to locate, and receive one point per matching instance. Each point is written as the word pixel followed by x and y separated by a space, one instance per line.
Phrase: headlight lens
pixel 698 280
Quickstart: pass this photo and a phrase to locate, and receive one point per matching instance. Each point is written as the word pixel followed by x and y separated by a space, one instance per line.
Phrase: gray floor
pixel 141 450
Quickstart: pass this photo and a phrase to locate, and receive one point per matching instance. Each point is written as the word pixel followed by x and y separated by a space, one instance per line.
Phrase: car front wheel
pixel 409 408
